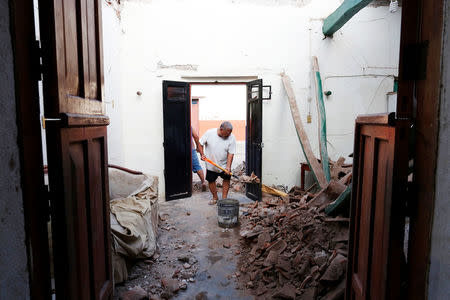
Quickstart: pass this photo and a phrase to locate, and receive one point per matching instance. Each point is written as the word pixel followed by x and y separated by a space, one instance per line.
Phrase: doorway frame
pixel 219 83
pixel 27 73
pixel 212 83
pixel 416 31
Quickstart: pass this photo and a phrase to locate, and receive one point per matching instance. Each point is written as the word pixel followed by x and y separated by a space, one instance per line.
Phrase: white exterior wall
pixel 158 40
pixel 221 102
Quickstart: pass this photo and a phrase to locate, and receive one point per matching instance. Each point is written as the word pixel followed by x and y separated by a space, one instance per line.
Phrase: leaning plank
pixel 302 136
pixel 272 191
pixel 322 120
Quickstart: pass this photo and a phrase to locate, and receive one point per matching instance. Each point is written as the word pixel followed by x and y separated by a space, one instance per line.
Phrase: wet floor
pixel 189 228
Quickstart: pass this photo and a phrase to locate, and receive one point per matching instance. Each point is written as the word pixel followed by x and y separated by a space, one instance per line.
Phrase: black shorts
pixel 211 176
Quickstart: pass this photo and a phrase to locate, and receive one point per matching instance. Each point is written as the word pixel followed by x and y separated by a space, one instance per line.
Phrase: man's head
pixel 225 129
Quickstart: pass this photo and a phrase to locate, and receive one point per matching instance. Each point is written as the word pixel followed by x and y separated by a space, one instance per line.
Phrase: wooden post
pixel 302 136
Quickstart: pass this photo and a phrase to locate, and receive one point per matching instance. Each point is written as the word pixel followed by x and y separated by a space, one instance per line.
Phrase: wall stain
pixel 12 164
pixel 187 67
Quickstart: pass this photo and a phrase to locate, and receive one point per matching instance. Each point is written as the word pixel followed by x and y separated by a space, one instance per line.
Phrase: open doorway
pixel 211 104
pixel 240 103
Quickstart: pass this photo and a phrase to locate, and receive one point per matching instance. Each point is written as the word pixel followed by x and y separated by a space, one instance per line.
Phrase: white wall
pixel 439 276
pixel 13 255
pixel 114 70
pixel 169 40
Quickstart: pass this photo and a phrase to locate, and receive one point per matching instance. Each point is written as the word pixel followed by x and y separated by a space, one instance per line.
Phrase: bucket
pixel 228 212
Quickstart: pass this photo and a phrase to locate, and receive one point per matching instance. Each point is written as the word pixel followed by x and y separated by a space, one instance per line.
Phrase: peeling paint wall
pixel 13 256
pixel 169 41
pixel 113 58
pixel 439 276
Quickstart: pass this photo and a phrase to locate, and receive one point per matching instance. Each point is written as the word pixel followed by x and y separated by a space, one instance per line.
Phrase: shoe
pixel 212 202
pixel 204 187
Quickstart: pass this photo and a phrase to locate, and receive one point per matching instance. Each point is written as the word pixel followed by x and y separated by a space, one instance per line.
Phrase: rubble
pixel 136 293
pixel 292 249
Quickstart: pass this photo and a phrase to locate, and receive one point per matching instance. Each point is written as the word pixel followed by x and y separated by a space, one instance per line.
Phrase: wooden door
pixel 253 143
pixel 71 36
pixel 177 140
pixel 377 210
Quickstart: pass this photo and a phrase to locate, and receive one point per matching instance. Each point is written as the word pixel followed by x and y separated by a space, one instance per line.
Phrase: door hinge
pixel 36 61
pixel 414 61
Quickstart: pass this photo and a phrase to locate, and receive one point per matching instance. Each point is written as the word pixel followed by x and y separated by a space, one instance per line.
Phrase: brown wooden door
pixel 77 152
pixel 377 211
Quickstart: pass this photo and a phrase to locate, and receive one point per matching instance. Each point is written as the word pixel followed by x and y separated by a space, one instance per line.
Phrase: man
pixel 196 167
pixel 220 147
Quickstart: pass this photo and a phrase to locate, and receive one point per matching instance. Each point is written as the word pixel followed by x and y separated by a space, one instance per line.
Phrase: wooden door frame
pixel 35 200
pixel 421 21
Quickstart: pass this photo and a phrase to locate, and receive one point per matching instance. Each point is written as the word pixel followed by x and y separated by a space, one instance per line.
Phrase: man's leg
pixel 202 178
pixel 211 177
pixel 213 189
pixel 225 188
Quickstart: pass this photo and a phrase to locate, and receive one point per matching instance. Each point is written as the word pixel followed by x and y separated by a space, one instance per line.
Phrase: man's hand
pixel 202 157
pixel 228 170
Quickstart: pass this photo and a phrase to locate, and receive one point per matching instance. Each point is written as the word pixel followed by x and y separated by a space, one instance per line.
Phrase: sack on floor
pixel 134 218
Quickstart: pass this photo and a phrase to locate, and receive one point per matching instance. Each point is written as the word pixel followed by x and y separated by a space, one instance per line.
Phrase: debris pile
pixel 170 270
pixel 237 185
pixel 291 249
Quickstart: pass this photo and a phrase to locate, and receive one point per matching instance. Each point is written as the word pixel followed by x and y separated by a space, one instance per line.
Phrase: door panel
pixel 177 140
pixel 77 152
pixel 72 44
pixel 81 221
pixel 253 145
pixel 376 229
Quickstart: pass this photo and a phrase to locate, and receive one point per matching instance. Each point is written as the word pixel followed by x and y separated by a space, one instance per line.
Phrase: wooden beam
pixel 322 120
pixel 341 15
pixel 302 136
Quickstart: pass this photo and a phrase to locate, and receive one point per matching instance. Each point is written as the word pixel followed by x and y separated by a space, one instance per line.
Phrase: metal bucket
pixel 228 212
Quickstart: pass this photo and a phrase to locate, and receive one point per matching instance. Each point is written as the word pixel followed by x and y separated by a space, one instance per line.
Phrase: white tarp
pixel 134 218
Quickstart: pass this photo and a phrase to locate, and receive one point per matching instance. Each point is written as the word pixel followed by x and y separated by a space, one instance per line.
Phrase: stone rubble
pixel 292 251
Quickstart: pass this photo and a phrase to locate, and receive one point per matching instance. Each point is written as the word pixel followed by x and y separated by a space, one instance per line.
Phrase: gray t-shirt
pixel 217 148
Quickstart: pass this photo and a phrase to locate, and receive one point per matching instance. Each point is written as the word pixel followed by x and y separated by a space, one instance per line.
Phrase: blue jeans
pixel 195 163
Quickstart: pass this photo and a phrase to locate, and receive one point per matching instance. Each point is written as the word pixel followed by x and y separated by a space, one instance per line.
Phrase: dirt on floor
pixel 283 248
pixel 196 259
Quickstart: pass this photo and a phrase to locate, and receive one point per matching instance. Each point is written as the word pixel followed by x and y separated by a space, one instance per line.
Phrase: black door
pixel 253 145
pixel 177 139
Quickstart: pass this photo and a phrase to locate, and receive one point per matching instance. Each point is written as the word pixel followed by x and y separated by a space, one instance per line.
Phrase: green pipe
pixel 322 129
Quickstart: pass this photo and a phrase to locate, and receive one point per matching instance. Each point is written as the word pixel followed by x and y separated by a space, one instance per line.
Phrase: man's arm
pixel 199 145
pixel 196 138
pixel 200 150
pixel 229 161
